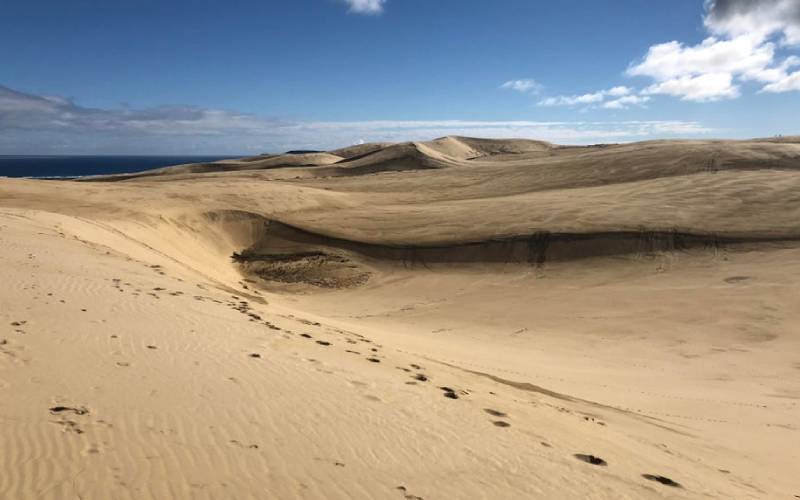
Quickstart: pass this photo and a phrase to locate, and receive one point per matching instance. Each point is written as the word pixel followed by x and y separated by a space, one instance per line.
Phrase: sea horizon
pixel 70 166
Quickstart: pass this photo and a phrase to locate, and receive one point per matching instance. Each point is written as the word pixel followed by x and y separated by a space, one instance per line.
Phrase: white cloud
pixel 618 91
pixel 527 85
pixel 742 55
pixel 775 73
pixel 788 83
pixel 701 88
pixel 743 49
pixel 564 132
pixel 366 6
pixel 755 18
pixel 31 124
pixel 571 100
pixel 626 101
pixel 591 98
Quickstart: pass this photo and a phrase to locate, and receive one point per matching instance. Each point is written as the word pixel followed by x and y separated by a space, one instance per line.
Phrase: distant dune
pixel 733 189
pixel 455 318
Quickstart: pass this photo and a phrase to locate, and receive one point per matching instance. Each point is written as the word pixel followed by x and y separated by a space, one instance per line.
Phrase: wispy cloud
pixel 33 124
pixel 592 98
pixel 366 6
pixel 566 132
pixel 626 101
pixel 525 86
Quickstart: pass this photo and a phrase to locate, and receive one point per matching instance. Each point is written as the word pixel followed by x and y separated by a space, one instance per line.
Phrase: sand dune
pixel 456 318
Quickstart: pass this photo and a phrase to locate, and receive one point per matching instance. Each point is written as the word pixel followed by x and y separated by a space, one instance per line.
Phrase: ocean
pixel 77 166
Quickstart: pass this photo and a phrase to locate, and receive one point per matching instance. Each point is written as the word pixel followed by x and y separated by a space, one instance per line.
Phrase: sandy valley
pixel 458 318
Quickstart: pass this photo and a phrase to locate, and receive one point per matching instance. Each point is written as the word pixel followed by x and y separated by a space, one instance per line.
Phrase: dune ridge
pixel 281 253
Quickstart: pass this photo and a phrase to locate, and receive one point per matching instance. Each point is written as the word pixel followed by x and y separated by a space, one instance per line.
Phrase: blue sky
pixel 252 76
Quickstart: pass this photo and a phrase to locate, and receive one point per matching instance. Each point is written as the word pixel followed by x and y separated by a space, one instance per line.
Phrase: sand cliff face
pixel 446 319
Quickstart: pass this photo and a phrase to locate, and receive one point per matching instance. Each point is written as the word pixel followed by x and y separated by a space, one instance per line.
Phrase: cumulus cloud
pixel 527 85
pixel 747 45
pixel 755 18
pixel 700 88
pixel 366 6
pixel 743 48
pixel 788 83
pixel 742 55
pixel 593 98
pixel 33 124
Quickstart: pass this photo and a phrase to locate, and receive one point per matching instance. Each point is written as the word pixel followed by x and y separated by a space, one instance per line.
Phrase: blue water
pixel 76 166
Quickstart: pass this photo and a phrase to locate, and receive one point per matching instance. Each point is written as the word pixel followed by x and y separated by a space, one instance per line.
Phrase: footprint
pixel 421 377
pixel 737 279
pixel 449 393
pixel 662 479
pixel 407 495
pixel 70 426
pixel 91 450
pixel 590 459
pixel 55 410
pixel 241 445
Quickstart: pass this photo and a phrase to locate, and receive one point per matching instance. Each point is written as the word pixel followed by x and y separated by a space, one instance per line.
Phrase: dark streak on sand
pixel 591 459
pixel 662 479
pixel 61 409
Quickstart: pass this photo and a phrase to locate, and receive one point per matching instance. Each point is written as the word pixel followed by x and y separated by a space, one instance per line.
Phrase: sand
pixel 461 318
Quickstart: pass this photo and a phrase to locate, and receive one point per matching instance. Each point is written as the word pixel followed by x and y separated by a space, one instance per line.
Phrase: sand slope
pixel 458 318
